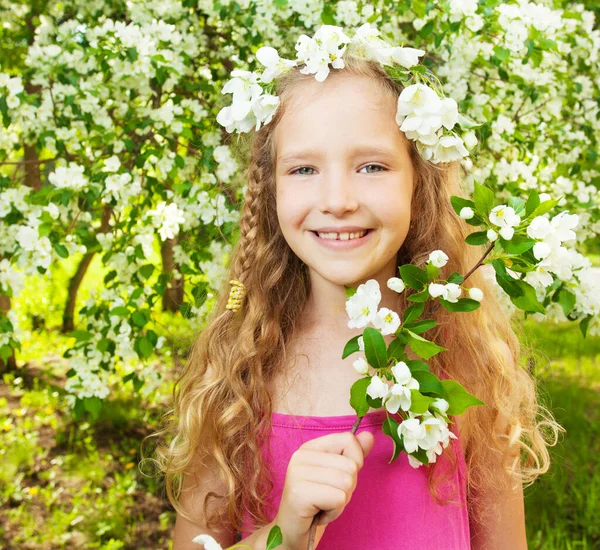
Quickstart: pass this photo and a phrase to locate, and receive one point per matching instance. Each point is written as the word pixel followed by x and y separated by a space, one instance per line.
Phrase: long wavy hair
pixel 222 401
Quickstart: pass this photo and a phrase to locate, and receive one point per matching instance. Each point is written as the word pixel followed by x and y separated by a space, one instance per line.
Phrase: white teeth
pixel 342 236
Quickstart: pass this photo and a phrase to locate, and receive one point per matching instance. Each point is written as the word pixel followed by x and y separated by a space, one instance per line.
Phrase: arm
pixel 506 528
pixel 196 485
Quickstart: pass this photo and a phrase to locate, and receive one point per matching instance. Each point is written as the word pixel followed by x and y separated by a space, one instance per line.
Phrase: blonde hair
pixel 222 403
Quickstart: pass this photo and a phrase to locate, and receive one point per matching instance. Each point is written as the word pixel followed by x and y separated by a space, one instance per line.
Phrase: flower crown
pixel 424 114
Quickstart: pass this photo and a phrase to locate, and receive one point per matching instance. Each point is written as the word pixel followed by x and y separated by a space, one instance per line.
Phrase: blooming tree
pixel 110 145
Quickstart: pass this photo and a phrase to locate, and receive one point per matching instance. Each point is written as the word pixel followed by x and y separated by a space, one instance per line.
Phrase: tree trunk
pixel 75 282
pixel 173 295
pixel 10 365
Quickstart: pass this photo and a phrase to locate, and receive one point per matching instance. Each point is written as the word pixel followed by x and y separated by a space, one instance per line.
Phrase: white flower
pixel 208 542
pixel 399 395
pixel 362 306
pixel 539 228
pixel 541 250
pixel 386 320
pixel 466 213
pixel 377 388
pixel 167 218
pixel 396 284
pixel 504 216
pixel 441 405
pixel 411 432
pixel 407 57
pixel 449 148
pixel 361 366
pixel 563 224
pixel 491 235
pixel 436 290
pixel 438 258
pixel 274 64
pixel 470 139
pixel 452 292
pixel 112 164
pixel 507 233
pixel 475 294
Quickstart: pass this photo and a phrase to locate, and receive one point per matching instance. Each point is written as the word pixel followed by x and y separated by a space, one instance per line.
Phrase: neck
pixel 325 310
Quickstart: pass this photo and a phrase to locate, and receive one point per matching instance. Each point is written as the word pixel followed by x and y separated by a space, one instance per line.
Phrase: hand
pixel 321 475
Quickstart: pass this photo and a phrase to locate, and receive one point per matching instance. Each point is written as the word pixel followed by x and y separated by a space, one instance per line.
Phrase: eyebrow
pixel 358 150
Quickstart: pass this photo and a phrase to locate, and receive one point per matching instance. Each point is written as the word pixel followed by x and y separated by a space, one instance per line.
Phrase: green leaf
pixel 463 304
pixel 81 335
pixel 358 396
pixel 420 403
pixel 423 348
pixel 139 318
pixel 432 271
pixel 417 365
pixel 121 311
pixel 396 350
pixel 145 347
pixel 477 238
pixel 275 538
pixel 92 405
pixel 517 245
pixel 503 54
pixel 413 276
pixel 458 203
pixel 528 300
pixel 466 123
pixel 422 296
pixel 583 326
pixel 456 278
pixel 390 427
pixel 350 291
pixel 375 348
pixel 61 250
pixel 506 282
pixel 483 197
pixel 544 207
pixel 533 201
pixel 428 382
pixel 458 398
pixel 566 299
pixel 413 311
pixel 420 327
pixel 146 270
pixel 351 347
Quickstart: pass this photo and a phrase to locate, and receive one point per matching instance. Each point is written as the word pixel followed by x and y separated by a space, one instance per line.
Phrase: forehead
pixel 345 113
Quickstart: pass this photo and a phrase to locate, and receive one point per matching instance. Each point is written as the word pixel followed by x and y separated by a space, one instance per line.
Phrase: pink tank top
pixel 391 507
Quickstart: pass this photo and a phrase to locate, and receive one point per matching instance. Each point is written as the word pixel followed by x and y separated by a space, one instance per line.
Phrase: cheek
pixel 292 206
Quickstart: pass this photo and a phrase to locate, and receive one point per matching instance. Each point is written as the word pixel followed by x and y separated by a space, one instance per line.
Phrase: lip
pixel 334 244
pixel 342 229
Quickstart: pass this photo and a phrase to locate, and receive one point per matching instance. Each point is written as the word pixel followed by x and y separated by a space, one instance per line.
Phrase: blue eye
pixel 382 169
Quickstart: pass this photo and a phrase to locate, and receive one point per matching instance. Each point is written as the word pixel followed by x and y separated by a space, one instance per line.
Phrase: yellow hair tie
pixel 236 295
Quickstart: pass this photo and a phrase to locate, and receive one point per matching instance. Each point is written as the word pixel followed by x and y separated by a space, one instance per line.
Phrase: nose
pixel 338 193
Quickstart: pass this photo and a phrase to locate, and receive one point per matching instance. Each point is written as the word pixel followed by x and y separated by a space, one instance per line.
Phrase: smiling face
pixel 342 165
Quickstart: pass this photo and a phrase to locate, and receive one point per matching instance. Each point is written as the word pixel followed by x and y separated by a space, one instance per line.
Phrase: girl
pixel 261 415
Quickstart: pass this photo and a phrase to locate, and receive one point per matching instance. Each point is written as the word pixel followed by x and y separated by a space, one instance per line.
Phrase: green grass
pixel 76 485
pixel 563 505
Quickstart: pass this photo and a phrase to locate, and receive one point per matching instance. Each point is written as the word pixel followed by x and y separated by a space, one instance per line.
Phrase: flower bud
pixel 475 294
pixel 361 366
pixel 396 284
pixel 466 213
pixel 491 235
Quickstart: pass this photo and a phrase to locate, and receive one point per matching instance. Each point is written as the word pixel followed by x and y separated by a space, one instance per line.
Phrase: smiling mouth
pixel 342 236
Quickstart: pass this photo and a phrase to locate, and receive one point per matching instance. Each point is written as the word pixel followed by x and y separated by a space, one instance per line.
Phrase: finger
pixel 344 443
pixel 327 476
pixel 366 440
pixel 310 457
pixel 319 497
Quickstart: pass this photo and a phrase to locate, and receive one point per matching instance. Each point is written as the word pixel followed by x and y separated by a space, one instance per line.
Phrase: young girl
pixel 261 419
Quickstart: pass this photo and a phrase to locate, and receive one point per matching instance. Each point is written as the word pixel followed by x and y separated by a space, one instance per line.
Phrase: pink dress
pixel 391 507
